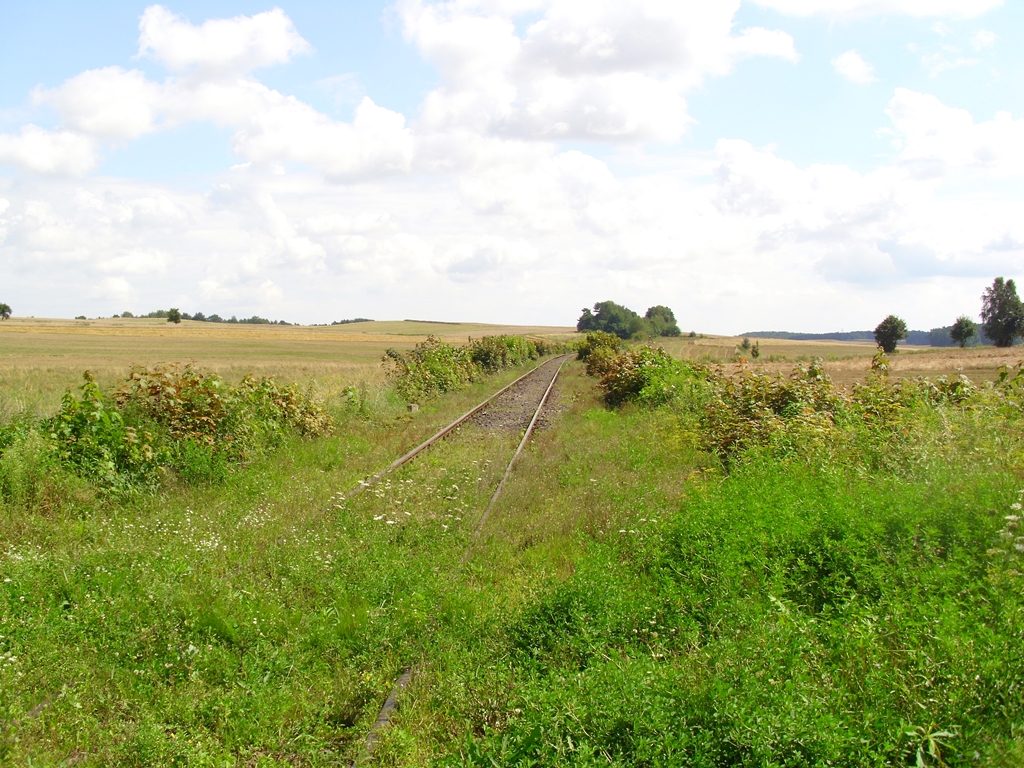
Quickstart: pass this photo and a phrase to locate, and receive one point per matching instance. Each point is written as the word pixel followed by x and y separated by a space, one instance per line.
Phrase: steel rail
pixel 519 450
pixel 391 703
pixel 364 484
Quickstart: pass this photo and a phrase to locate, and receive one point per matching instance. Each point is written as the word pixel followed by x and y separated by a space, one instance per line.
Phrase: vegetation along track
pixel 516 407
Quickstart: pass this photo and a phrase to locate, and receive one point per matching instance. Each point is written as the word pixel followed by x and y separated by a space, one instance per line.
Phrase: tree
pixel 1002 315
pixel 889 333
pixel 622 321
pixel 5 311
pixel 662 321
pixel 173 316
pixel 963 330
pixel 611 318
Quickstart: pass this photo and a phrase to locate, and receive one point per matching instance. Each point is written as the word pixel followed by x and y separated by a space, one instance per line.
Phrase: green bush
pixel 434 367
pixel 188 406
pixel 496 353
pixel 431 368
pixel 598 342
pixel 640 374
pixel 91 437
pixel 168 416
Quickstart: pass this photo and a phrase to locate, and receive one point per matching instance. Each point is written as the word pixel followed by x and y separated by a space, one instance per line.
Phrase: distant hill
pixel 936 337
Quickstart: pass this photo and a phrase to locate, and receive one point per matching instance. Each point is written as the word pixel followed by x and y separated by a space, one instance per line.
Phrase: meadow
pixel 719 569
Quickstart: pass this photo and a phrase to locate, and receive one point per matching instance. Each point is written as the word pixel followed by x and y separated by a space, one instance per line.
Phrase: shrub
pixel 431 368
pixel 595 341
pixel 434 367
pixel 91 437
pixel 166 416
pixel 186 402
pixel 639 374
pixel 759 410
pixel 194 408
pixel 495 353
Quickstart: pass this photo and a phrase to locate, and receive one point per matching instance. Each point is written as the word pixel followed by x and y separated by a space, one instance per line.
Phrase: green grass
pixel 628 602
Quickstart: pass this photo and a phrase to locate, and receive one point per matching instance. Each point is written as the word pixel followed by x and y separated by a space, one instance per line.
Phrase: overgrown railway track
pixel 511 406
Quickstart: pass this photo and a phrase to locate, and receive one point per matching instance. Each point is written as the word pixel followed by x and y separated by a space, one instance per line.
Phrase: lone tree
pixel 5 311
pixel 889 333
pixel 963 330
pixel 1002 315
pixel 173 316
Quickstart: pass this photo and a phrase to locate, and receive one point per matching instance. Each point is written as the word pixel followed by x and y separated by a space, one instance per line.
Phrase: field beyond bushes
pixel 692 565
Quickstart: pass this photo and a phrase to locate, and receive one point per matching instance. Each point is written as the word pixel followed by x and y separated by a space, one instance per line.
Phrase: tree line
pixel 174 315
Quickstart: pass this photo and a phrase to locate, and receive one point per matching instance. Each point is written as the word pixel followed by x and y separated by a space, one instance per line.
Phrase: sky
pixel 803 165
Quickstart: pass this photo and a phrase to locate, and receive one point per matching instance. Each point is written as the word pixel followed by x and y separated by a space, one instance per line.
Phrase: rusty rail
pixel 364 484
pixel 391 703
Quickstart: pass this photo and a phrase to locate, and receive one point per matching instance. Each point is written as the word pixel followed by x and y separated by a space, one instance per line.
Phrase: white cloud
pixel 113 289
pixel 271 291
pixel 937 63
pixel 108 103
pixel 375 143
pixel 596 69
pixel 851 66
pixel 983 39
pixel 861 8
pixel 270 128
pixel 58 152
pixel 219 46
pixel 757 41
pixel 936 139
pixel 474 211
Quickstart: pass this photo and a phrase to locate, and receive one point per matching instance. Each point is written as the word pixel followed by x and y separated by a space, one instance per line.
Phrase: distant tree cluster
pixel 353 320
pixel 614 318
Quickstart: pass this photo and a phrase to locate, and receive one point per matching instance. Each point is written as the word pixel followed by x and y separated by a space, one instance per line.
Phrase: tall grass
pixel 837 582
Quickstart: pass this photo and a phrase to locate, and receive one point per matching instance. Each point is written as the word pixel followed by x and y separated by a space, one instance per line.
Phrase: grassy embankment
pixel 638 597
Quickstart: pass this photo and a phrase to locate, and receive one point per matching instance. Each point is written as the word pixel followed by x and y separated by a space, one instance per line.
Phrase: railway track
pixel 510 408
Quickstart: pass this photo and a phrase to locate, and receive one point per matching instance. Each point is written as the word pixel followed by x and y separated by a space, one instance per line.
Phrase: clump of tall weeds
pixel 434 366
pixel 806 414
pixel 168 417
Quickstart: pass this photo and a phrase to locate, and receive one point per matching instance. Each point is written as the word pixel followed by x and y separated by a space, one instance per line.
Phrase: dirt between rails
pixel 512 411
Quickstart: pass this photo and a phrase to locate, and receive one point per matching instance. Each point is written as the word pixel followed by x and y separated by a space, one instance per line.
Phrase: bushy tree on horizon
pixel 5 311
pixel 173 315
pixel 662 321
pixel 963 330
pixel 622 321
pixel 611 318
pixel 1002 314
pixel 890 332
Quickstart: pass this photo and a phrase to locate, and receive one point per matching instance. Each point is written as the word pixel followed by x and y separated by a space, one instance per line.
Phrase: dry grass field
pixel 41 358
pixel 846 361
